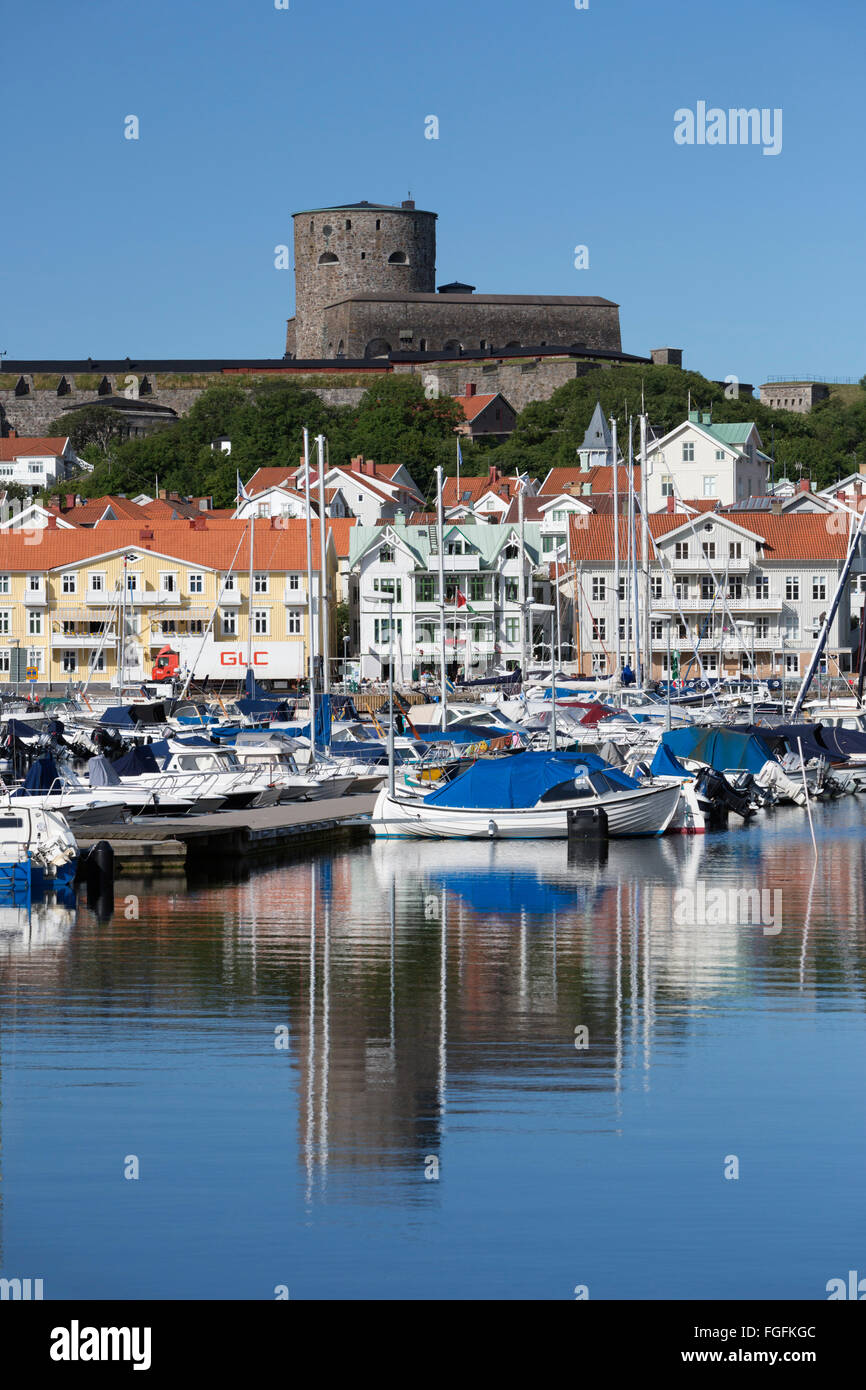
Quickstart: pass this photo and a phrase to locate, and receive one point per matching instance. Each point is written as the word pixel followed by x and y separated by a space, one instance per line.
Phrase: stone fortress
pixel 365 286
pixel 367 305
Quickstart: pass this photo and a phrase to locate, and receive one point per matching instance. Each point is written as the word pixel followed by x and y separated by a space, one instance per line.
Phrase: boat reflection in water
pixel 41 925
pixel 508 1068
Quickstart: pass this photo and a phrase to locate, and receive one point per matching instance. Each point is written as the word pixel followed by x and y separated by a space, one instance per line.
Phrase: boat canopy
pixel 42 776
pixel 664 764
pixel 137 760
pixel 720 749
pixel 100 773
pixel 520 780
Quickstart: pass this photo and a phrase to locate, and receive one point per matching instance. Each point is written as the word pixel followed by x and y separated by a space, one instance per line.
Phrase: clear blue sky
pixel 556 129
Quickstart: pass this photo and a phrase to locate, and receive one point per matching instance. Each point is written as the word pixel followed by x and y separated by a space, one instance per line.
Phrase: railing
pixel 721 565
pixel 705 605
pixel 35 596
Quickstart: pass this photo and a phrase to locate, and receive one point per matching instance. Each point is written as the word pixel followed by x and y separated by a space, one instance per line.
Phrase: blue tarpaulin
pixel 720 749
pixel 136 761
pixel 519 780
pixel 323 721
pixel 664 764
pixel 42 775
pixel 506 892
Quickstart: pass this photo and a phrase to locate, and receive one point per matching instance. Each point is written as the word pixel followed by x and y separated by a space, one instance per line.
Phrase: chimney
pixel 357 464
pixel 52 522
pixel 672 506
pixel 145 535
pixel 161 494
pixel 804 485
pixel 408 204
pixel 197 523
pixel 492 475
pixel 69 501
pixel 174 497
pixel 470 388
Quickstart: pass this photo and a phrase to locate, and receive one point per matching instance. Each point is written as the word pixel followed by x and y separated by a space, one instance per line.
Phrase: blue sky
pixel 556 129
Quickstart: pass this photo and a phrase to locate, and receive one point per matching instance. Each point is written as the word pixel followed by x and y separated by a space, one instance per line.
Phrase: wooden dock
pixel 157 844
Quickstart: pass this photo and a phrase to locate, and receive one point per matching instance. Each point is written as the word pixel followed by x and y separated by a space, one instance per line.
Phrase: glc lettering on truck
pixel 239 659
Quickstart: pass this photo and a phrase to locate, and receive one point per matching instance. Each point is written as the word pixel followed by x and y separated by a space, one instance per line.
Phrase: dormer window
pixel 386 554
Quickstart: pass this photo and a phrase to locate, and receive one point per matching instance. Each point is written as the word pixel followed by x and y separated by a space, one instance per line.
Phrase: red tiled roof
pixel 477 487
pixel 797 536
pixel 277 548
pixel 473 405
pixel 600 479
pixel 37 446
pixel 90 511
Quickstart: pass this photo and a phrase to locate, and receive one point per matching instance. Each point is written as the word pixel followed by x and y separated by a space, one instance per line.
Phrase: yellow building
pixel 67 595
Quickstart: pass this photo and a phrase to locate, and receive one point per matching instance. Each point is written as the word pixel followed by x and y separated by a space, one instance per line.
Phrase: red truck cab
pixel 166 666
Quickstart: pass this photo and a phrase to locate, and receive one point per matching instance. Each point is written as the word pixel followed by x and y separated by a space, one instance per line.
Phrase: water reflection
pixel 434 995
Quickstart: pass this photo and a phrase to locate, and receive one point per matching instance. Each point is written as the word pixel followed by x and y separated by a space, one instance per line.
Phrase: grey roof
pixel 366 207
pixel 598 435
pixel 580 300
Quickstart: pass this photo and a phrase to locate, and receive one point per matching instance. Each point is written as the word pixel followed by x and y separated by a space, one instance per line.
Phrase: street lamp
pixel 747 622
pixel 667 619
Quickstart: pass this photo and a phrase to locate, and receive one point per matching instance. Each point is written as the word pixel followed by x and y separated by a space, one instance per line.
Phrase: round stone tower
pixel 357 248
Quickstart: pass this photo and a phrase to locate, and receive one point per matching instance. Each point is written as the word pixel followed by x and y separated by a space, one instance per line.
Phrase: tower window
pixel 363 255
pixel 327 258
pixel 398 258
pixel 348 224
pixel 378 224
pixel 327 230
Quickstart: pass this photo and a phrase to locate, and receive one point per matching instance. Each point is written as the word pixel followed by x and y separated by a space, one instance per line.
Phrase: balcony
pixel 699 564
pixel 706 605
pixel 231 599
pixel 296 597
pixel 461 564
pixel 90 641
pixel 168 598
pixel 35 598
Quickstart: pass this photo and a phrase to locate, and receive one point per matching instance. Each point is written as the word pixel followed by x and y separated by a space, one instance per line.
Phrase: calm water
pixel 429 996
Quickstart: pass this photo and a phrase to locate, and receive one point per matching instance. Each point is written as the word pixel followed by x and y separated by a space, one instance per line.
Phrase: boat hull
pixel 645 811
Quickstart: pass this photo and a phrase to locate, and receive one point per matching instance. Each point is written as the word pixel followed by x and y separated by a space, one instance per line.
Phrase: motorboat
pixel 529 796
pixel 37 848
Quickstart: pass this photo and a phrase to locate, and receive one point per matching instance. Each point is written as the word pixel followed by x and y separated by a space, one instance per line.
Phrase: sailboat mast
pixel 616 547
pixel 250 600
pixel 311 656
pixel 440 548
pixel 326 675
pixel 647 658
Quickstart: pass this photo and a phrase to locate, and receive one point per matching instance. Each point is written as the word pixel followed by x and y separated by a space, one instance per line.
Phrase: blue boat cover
pixel 518 780
pixel 41 776
pixel 509 891
pixel 323 722
pixel 136 761
pixel 664 764
pixel 719 748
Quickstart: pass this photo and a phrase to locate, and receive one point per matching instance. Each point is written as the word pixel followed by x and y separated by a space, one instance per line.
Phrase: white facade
pixel 714 576
pixel 692 463
pixel 482 562
pixel 29 463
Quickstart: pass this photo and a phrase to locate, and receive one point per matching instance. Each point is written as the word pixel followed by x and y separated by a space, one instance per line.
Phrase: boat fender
pixel 491 829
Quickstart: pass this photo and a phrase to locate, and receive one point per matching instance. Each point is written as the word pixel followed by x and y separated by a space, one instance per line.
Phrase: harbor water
pixel 494 1070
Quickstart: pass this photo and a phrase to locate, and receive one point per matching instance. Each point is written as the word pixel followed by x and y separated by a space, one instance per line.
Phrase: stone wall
pixel 369 326
pixel 519 382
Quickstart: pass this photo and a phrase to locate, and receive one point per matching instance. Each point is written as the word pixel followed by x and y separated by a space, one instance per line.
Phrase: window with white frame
pixel 762 586
pixel 34 624
pixel 710 481
pixel 512 630
pixel 34 583
pixel 35 657
pixel 261 621
pixel 69 584
pixel 599 664
pixel 392 587
pixel 598 588
pixel 196 583
pixel 794 627
pixel 711 663
pixel 762 628
pixel 229 624
pixel 599 629
pixel 69 662
pixel 688 451
pixel 735 550
pixel 293 622
pixel 294 582
pixel 131 583
pixel 230 585
pixel 720 456
pixel 792 663
pixel 681 588
pixel 34 468
pixel 5 584
pixel 5 659
pixel 195 627
pixel 819 586
pixel 5 620
pixel 382 630
pixel 386 554
pixel 655 586
pixel 260 583
pixel 792 586
pixel 168 582
pixel 667 485
pixel 681 550
pixel 97 661
pixel 709 550
pixel 625 630
pixel 96 581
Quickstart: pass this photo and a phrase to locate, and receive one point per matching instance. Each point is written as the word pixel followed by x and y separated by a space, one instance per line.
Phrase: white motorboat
pixel 529 796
